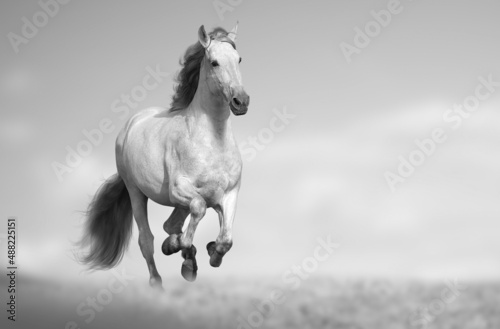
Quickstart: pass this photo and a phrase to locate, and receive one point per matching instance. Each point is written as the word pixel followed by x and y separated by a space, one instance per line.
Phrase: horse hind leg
pixel 146 238
pixel 173 226
pixel 174 223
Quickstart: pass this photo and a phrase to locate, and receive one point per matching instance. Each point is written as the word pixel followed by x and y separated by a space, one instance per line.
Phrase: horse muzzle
pixel 239 103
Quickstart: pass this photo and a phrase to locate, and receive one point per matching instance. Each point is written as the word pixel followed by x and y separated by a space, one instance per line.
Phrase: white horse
pixel 184 157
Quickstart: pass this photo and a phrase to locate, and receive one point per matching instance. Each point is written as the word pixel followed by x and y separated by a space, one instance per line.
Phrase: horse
pixel 184 157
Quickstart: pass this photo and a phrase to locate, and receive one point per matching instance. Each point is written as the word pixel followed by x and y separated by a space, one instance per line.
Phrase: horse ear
pixel 234 33
pixel 203 37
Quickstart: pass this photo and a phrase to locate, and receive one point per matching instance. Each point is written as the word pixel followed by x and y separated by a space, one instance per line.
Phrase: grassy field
pixel 317 303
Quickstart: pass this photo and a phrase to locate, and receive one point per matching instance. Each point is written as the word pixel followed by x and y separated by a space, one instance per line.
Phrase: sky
pixel 353 117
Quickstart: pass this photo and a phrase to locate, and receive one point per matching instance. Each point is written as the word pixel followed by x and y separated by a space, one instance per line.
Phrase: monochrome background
pixel 351 121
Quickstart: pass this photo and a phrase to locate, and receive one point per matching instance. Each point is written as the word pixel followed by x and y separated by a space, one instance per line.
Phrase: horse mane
pixel 188 76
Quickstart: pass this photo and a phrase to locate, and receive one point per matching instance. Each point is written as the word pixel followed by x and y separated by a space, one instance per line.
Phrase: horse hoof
pixel 215 256
pixel 215 259
pixel 171 245
pixel 156 283
pixel 211 248
pixel 189 270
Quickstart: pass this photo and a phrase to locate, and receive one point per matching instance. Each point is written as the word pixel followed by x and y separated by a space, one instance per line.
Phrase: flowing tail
pixel 109 225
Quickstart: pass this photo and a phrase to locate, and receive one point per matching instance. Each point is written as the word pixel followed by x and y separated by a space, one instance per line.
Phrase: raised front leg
pixel 189 266
pixel 217 249
pixel 177 241
pixel 185 195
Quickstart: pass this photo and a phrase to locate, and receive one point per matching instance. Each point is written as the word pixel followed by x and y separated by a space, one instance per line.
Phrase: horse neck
pixel 210 113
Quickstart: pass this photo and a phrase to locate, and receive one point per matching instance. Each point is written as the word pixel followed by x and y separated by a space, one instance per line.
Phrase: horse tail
pixel 109 225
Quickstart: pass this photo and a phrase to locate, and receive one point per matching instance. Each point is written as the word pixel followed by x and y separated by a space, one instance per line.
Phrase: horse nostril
pixel 236 101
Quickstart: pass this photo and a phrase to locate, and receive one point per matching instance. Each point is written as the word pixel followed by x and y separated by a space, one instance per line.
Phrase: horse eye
pixel 215 63
pixel 240 60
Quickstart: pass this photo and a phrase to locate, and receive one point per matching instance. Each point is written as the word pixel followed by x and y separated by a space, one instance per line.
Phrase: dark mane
pixel 187 78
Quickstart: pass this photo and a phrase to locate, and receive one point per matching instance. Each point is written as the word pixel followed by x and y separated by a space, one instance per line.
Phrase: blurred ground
pixel 317 303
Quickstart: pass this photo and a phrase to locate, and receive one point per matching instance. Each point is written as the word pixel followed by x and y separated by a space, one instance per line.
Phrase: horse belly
pixel 143 163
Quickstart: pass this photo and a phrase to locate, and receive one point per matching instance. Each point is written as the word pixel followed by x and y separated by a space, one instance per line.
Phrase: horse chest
pixel 212 173
pixel 220 172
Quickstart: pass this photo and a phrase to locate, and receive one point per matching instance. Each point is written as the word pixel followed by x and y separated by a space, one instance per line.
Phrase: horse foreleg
pixel 173 226
pixel 189 266
pixel 139 207
pixel 197 208
pixel 178 240
pixel 217 249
